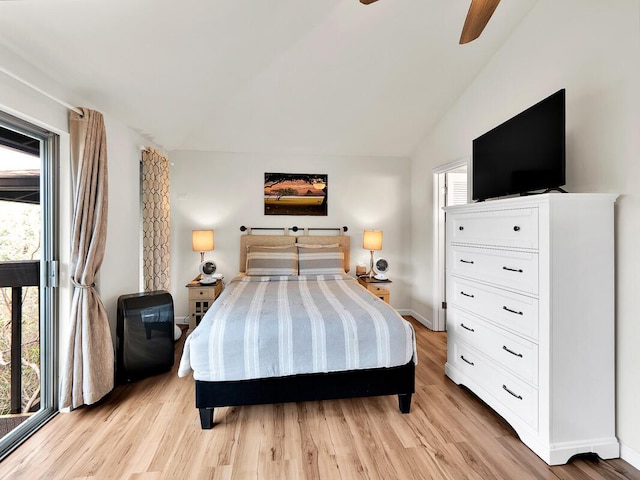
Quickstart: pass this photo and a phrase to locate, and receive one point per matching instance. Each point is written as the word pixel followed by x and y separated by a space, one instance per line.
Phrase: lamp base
pixel 370 272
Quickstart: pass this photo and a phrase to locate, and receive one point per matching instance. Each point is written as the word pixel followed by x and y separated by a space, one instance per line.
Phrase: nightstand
pixel 380 288
pixel 201 297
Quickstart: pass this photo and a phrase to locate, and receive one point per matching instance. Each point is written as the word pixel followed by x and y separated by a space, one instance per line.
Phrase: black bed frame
pixel 300 388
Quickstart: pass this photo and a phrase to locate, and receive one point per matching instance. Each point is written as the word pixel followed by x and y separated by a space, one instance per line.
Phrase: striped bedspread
pixel 264 327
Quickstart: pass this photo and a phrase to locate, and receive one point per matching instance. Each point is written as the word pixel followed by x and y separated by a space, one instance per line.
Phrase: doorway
pixel 450 187
pixel 28 279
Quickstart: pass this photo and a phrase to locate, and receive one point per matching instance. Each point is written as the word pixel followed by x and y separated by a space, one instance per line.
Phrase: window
pixel 28 273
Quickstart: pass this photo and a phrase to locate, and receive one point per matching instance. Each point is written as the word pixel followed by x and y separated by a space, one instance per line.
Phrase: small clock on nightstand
pixel 381 267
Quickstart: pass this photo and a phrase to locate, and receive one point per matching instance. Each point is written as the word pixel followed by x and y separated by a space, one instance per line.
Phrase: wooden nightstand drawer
pixel 201 297
pixel 200 293
pixel 379 288
pixel 376 289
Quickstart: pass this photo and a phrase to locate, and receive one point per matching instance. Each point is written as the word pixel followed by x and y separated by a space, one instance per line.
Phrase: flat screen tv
pixel 525 153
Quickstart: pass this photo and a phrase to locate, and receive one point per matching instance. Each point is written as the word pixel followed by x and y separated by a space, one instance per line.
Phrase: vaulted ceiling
pixel 274 76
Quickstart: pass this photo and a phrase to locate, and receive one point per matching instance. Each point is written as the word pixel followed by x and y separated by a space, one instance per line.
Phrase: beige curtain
pixel 89 370
pixel 155 220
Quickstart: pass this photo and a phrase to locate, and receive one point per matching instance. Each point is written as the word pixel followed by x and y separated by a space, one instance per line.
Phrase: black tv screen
pixel 525 153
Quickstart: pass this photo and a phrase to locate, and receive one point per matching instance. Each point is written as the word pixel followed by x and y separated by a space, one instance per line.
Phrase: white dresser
pixel 530 317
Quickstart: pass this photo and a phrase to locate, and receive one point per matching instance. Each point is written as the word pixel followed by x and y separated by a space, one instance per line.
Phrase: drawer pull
pixel 467 294
pixel 516 228
pixel 467 361
pixel 466 261
pixel 460 228
pixel 504 347
pixel 512 311
pixel 467 328
pixel 519 397
pixel 518 270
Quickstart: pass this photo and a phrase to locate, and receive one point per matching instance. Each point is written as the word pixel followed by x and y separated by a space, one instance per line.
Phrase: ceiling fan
pixel 478 16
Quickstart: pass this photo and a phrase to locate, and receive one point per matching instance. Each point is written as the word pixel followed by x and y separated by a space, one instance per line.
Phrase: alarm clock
pixel 381 267
pixel 208 270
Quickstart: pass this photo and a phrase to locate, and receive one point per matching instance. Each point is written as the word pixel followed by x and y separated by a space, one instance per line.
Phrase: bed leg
pixel 206 418
pixel 404 402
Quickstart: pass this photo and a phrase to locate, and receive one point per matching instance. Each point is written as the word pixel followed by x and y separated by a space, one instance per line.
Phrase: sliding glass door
pixel 28 279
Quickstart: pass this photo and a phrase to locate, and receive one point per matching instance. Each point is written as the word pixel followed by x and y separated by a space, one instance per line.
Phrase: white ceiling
pixel 274 76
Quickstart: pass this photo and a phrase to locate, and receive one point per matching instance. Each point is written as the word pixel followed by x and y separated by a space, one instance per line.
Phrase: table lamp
pixel 372 240
pixel 202 241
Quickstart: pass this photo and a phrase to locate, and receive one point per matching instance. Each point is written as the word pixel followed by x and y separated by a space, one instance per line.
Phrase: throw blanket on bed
pixel 276 326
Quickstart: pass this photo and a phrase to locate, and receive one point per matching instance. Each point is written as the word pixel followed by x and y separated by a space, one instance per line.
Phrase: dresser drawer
pixel 508 391
pixel 516 228
pixel 513 311
pixel 506 268
pixel 516 354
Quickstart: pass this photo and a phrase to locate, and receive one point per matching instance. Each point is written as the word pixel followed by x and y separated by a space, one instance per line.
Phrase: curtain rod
pixel 294 228
pixel 244 229
pixel 39 90
pixel 343 229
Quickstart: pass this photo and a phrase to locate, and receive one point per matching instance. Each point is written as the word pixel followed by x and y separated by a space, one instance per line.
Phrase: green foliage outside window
pixel 20 240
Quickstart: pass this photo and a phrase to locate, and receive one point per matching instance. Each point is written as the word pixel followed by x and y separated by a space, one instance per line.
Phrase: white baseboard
pixel 181 320
pixel 630 456
pixel 423 320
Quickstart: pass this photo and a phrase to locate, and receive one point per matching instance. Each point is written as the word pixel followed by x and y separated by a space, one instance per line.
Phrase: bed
pixel 292 327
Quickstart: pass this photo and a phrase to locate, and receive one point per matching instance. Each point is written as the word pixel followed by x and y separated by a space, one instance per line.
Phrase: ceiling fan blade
pixel 367 2
pixel 480 12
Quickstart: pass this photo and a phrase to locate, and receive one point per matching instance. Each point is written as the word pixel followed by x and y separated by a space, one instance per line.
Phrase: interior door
pixel 451 187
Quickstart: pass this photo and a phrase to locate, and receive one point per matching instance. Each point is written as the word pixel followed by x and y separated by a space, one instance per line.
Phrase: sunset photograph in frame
pixel 295 194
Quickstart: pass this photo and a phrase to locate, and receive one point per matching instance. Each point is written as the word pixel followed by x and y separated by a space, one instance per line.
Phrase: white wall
pixel 591 48
pixel 120 269
pixel 222 191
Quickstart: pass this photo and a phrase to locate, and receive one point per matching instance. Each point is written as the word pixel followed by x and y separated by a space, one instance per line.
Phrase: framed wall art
pixel 295 194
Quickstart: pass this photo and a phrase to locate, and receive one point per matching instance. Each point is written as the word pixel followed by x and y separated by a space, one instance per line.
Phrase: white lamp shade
pixel 202 240
pixel 372 240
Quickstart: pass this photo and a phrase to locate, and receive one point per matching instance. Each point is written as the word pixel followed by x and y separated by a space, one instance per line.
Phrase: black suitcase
pixel 145 335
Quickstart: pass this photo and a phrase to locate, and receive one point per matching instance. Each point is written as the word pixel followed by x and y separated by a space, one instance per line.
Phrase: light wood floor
pixel 150 430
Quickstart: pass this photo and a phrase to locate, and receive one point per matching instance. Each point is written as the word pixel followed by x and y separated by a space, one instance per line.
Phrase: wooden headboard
pixel 343 241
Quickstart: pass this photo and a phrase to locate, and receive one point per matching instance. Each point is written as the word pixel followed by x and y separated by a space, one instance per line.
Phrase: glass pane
pixel 30 348
pixel 20 255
